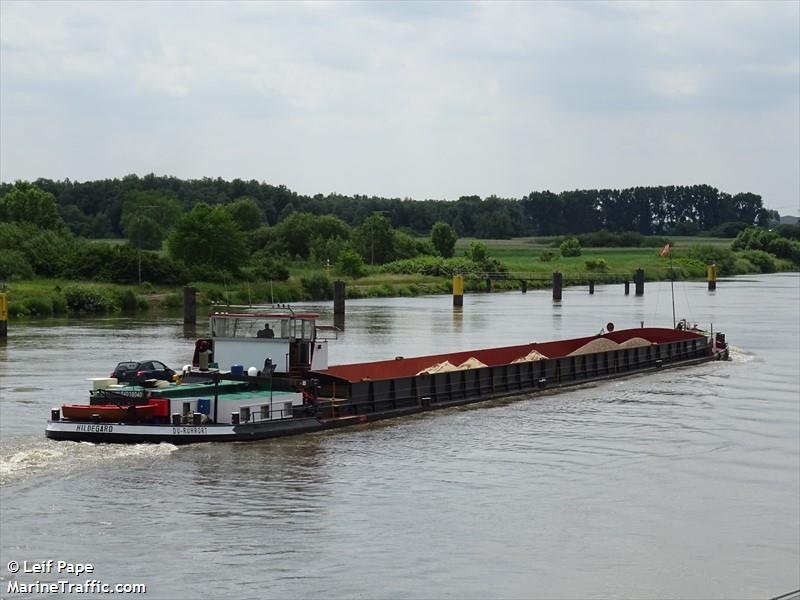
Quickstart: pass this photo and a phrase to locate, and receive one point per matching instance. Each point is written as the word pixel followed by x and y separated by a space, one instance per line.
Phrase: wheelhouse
pixel 286 340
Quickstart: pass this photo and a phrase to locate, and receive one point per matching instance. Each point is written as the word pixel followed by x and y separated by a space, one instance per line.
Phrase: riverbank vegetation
pixel 249 243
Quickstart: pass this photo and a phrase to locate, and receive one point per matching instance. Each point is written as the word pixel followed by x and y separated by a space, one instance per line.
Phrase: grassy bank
pixel 522 257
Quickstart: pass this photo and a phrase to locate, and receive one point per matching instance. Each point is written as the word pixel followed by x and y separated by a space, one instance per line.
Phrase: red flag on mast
pixel 665 250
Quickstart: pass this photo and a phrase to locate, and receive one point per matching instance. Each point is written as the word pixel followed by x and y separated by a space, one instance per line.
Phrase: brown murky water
pixel 683 483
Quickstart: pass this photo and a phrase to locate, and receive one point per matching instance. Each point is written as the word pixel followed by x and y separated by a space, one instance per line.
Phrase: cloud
pixel 406 99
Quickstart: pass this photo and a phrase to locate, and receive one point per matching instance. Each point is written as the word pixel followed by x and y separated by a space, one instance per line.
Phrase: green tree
pixel 374 239
pixel 208 237
pixel 405 246
pixel 147 217
pixel 443 238
pixel 300 232
pixel 266 267
pixel 350 263
pixel 26 203
pixel 246 213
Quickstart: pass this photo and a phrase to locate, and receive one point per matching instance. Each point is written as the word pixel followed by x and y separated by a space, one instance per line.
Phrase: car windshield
pixel 127 366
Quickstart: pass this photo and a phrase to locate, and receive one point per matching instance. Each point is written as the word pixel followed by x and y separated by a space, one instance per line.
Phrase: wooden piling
pixel 712 277
pixel 524 286
pixel 338 297
pixel 638 280
pixel 627 287
pixel 591 286
pixel 189 304
pixel 489 285
pixel 558 281
pixel 458 290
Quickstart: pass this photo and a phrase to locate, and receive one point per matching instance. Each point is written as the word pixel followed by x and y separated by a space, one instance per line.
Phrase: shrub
pixel 548 255
pixel 128 300
pixel 755 238
pixel 59 304
pixel 723 257
pixel 17 309
pixel 88 299
pixel 598 265
pixel 424 247
pixel 763 261
pixel 784 248
pixel 689 268
pixel 171 301
pixel 742 265
pixel 478 252
pixel 435 266
pixel 41 306
pixel 350 264
pixel 210 294
pixel 570 247
pixel 317 286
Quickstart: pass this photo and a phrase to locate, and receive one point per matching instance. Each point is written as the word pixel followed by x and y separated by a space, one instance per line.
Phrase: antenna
pixel 672 288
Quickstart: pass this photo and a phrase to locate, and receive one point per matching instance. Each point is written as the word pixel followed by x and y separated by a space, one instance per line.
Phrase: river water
pixel 683 483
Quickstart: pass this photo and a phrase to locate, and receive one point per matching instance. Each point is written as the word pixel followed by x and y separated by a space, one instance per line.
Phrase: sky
pixel 413 99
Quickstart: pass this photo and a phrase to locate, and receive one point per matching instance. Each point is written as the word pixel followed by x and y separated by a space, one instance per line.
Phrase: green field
pixel 522 255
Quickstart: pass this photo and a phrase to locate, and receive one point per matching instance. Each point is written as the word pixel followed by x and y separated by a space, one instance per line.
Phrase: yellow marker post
pixel 458 290
pixel 3 315
pixel 712 277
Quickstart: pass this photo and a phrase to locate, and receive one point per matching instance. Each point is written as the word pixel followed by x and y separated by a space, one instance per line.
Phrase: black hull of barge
pixel 332 416
pixel 362 412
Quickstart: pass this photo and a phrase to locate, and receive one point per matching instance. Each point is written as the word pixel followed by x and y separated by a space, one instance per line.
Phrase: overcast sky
pixel 420 100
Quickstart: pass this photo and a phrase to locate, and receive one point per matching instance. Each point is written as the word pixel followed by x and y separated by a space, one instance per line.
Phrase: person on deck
pixel 266 332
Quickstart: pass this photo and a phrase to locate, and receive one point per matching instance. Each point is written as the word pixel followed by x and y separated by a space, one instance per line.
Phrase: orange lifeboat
pixel 109 412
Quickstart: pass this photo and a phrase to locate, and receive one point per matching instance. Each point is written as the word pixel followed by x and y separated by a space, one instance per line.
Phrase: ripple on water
pixel 739 355
pixel 32 458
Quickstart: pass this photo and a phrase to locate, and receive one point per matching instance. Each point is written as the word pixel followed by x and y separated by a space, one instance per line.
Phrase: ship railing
pixel 248 415
pixel 329 332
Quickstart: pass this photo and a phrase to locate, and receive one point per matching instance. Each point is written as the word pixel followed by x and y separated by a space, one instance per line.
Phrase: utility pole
pixel 139 235
pixel 372 233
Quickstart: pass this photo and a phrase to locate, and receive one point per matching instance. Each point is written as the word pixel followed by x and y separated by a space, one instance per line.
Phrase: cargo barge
pixel 297 392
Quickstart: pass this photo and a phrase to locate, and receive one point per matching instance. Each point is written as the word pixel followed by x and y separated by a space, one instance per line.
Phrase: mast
pixel 666 251
pixel 672 289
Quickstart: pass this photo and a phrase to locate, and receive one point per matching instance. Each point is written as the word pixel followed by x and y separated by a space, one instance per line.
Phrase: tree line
pixel 214 243
pixel 97 209
pixel 207 243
